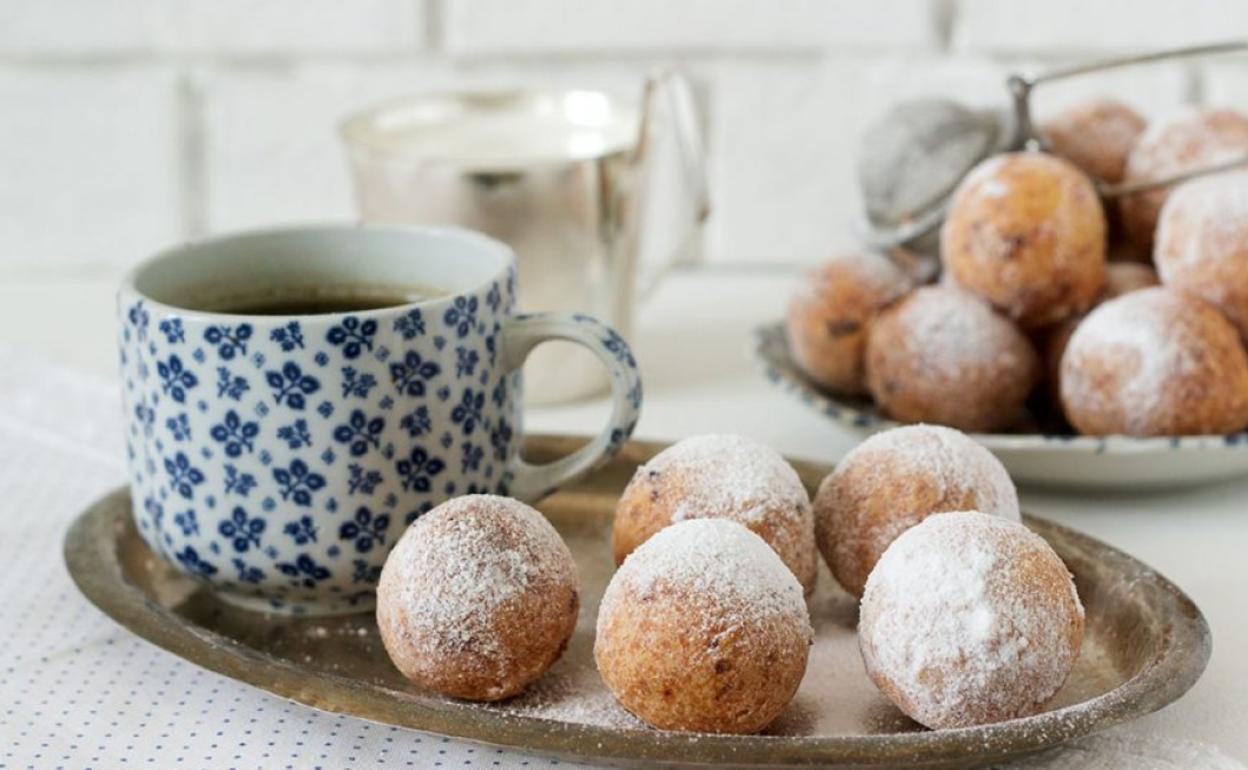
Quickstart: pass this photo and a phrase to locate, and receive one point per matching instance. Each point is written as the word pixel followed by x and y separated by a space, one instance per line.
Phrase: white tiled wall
pixel 127 124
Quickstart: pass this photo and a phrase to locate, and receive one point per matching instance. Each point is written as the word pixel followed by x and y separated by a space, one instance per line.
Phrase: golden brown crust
pixel 894 480
pixel 1096 135
pixel 995 645
pixel 478 598
pixel 1120 278
pixel 1156 362
pixel 675 675
pixel 1187 141
pixel 1126 277
pixel 1038 579
pixel 1026 231
pixel 827 318
pixel 672 488
pixel 941 355
pixel 1202 243
pixel 703 629
pixel 860 526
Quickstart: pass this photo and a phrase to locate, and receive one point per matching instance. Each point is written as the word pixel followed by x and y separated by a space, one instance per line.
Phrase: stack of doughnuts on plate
pixel 1048 313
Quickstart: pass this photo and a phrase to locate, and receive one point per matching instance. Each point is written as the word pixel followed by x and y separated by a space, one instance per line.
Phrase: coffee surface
pixel 319 300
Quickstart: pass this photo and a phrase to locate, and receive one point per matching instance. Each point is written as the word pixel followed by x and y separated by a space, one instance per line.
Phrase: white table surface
pixel 692 342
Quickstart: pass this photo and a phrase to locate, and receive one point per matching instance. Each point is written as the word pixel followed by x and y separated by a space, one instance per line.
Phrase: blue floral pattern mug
pixel 278 458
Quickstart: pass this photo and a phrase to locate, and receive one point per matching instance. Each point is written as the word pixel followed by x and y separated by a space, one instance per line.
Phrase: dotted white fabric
pixel 77 691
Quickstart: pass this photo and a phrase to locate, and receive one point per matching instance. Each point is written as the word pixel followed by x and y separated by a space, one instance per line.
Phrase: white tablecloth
pixel 76 691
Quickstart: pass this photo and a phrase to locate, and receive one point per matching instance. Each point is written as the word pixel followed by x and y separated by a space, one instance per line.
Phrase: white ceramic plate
pixel 1108 462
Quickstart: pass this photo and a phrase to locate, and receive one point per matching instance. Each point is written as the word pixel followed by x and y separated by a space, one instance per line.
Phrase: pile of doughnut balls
pixel 1057 309
pixel 966 616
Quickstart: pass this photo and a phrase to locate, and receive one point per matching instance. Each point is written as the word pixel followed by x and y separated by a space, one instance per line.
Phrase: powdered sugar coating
pixel 717 565
pixel 868 270
pixel 477 598
pixel 969 619
pixel 720 476
pixel 1202 242
pixel 1026 231
pixel 895 479
pixel 703 628
pixel 827 317
pixel 1155 362
pixel 948 458
pixel 941 340
pixel 1095 135
pixel 957 333
pixel 1190 139
pixel 731 473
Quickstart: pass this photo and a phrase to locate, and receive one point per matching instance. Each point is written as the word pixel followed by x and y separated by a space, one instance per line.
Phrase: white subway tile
pixel 78 27
pixel 1153 90
pixel 91 167
pixel 784 141
pixel 490 27
pixel 1014 26
pixel 77 321
pixel 1226 84
pixel 272 152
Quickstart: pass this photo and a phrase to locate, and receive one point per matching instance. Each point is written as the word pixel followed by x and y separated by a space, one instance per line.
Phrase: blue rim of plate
pixel 772 353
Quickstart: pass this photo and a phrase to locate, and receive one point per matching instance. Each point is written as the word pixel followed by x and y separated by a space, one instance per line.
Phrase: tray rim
pixel 768 338
pixel 1163 679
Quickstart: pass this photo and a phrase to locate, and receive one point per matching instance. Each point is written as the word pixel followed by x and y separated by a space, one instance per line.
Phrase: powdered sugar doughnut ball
pixel 1126 277
pixel 1187 141
pixel 703 629
pixel 940 341
pixel 1096 135
pixel 1202 243
pixel 1026 232
pixel 969 619
pixel 828 316
pixel 1120 278
pixel 894 480
pixel 1155 362
pixel 720 477
pixel 478 598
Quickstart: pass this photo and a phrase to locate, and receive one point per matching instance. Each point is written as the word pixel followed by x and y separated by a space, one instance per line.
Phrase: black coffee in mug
pixel 301 442
pixel 319 300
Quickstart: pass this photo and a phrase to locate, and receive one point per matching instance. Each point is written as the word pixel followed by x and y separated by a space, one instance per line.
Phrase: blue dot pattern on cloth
pixel 78 691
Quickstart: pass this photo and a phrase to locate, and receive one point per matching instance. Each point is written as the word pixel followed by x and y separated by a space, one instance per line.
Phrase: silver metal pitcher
pixel 566 178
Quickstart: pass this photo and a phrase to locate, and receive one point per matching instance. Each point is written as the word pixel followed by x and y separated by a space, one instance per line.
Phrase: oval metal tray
pixel 1146 644
pixel 1058 459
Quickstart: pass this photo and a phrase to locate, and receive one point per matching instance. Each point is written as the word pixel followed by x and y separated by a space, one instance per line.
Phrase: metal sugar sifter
pixel 911 160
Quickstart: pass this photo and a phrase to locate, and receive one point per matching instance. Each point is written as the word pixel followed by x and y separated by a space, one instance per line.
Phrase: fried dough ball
pixel 1155 362
pixel 723 477
pixel 1125 277
pixel 941 355
pixel 1095 135
pixel 969 619
pixel 703 629
pixel 1120 278
pixel 1026 232
pixel 478 598
pixel 1202 243
pixel 1187 141
pixel 894 480
pixel 827 318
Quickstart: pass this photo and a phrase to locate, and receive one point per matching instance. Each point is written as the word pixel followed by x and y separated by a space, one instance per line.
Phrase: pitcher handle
pixel 687 123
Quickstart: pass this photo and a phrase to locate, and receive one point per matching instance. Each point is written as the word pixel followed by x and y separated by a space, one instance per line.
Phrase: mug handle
pixel 520 335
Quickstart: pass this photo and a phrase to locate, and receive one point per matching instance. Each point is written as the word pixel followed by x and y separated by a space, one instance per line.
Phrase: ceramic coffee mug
pixel 278 457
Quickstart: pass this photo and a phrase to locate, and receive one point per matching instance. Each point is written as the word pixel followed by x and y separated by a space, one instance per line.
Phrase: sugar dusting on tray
pixel 836 696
